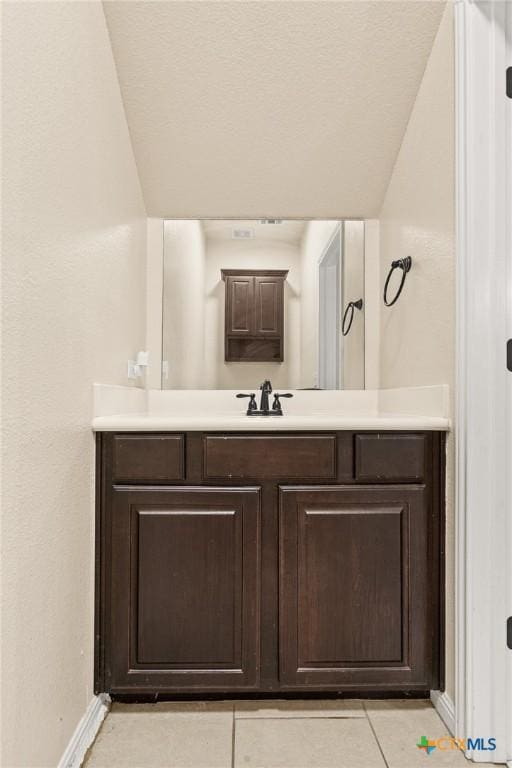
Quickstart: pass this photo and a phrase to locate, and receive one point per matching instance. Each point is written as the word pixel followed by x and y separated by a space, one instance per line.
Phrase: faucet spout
pixel 266 389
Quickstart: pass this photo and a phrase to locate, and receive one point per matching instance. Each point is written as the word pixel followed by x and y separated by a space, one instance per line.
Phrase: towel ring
pixel 350 309
pixel 404 265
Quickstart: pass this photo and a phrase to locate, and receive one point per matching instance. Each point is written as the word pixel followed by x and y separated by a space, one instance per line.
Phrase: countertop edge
pixel 147 423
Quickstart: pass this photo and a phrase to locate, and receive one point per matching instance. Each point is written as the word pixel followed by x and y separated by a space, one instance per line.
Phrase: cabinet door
pixel 268 306
pixel 184 589
pixel 240 306
pixel 354 588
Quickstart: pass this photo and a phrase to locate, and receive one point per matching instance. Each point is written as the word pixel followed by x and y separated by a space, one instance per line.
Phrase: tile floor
pixel 270 734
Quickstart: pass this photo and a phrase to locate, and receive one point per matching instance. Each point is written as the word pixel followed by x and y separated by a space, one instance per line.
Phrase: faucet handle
pixel 276 406
pixel 253 406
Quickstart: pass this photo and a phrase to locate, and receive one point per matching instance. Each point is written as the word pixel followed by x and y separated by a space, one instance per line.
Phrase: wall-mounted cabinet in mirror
pixel 254 321
pixel 245 301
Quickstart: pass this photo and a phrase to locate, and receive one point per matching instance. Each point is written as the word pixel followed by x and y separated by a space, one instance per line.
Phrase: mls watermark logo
pixel 426 744
pixel 446 743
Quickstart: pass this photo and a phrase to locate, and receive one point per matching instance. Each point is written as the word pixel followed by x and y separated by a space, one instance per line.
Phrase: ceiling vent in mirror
pixel 271 221
pixel 242 234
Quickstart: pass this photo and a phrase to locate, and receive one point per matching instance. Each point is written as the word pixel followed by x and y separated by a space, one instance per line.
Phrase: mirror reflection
pixel 245 301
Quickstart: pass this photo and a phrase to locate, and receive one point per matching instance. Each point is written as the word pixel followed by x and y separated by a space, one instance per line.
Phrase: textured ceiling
pixel 286 231
pixel 269 109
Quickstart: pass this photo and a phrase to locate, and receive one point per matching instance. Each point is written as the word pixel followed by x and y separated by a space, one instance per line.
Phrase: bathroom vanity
pixel 242 551
pixel 269 560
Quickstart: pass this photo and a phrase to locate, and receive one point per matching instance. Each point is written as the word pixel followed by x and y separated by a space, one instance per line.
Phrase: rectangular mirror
pixel 277 299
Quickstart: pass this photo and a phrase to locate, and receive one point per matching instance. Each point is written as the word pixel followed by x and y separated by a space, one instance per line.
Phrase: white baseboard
pixel 85 732
pixel 445 709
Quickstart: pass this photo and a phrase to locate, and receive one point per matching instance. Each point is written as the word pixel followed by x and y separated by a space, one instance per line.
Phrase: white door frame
pixel 483 705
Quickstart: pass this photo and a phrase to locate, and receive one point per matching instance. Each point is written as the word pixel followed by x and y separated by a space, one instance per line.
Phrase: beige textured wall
pixel 417 220
pixel 73 313
pixel 184 304
pixel 154 304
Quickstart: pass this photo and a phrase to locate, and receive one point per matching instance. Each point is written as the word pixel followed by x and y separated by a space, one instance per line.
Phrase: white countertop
pixel 128 409
pixel 144 422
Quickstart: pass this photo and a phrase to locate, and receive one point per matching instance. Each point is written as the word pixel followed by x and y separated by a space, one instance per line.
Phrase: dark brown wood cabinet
pixel 254 315
pixel 185 588
pixel 354 587
pixel 267 562
pixel 239 305
pixel 268 304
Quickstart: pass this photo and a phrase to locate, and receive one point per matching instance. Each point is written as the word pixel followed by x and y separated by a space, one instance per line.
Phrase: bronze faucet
pixel 265 409
pixel 266 390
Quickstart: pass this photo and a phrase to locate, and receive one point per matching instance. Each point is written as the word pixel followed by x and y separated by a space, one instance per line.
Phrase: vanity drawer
pixel 390 457
pixel 270 457
pixel 148 458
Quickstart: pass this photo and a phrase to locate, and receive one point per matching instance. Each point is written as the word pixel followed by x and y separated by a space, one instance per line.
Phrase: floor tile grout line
pixel 302 717
pixel 375 736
